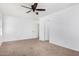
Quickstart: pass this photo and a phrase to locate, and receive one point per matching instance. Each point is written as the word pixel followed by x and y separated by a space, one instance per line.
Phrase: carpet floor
pixel 34 47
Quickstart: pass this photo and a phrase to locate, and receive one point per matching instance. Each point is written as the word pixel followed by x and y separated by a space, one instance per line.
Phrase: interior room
pixel 39 29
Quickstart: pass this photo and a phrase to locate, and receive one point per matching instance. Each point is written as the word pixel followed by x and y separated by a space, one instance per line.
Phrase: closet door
pixel 43 29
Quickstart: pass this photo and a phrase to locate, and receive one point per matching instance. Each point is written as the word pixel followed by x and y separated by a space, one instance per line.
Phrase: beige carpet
pixel 34 47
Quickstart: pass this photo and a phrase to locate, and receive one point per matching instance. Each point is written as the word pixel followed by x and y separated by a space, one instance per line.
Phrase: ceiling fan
pixel 33 8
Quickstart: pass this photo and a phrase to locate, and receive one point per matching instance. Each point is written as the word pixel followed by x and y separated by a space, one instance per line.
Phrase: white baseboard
pixel 8 40
pixel 59 44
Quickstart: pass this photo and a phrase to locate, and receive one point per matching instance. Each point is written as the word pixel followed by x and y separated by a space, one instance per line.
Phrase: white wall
pixel 16 28
pixel 0 27
pixel 64 27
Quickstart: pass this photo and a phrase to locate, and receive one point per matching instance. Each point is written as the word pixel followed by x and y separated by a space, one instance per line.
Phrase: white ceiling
pixel 15 9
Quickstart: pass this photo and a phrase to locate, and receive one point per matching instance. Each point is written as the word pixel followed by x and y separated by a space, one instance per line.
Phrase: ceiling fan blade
pixel 40 9
pixel 34 6
pixel 26 7
pixel 28 11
